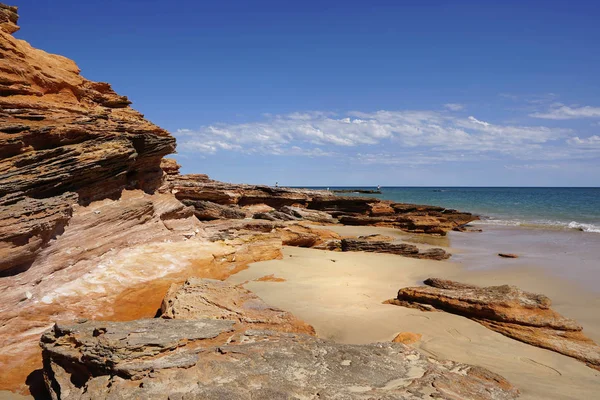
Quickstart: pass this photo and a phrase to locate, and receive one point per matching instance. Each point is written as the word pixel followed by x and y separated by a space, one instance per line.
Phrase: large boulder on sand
pixel 508 310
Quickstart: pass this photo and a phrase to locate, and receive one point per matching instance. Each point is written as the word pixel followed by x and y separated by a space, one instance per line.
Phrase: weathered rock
pixel 275 215
pixel 153 359
pixel 27 226
pixel 329 245
pixel 170 166
pixel 63 140
pixel 208 211
pixel 305 236
pixel 8 18
pixel 208 298
pixel 402 249
pixel 308 215
pixel 508 310
pixel 318 206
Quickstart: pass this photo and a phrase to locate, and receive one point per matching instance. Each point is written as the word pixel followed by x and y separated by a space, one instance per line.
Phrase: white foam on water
pixel 546 224
pixel 584 227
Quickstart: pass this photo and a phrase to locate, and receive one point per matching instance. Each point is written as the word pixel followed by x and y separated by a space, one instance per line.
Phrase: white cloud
pixel 559 111
pixel 592 142
pixel 454 106
pixel 439 136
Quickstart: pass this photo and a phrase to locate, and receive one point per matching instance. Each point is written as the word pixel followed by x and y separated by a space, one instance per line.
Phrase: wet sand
pixel 340 294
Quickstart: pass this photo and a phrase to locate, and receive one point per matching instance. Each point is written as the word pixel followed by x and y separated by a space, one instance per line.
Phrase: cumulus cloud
pixel 454 106
pixel 559 111
pixel 437 136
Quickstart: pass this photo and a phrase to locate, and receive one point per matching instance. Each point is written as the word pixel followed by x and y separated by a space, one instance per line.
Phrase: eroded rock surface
pixel 150 359
pixel 290 204
pixel 508 310
pixel 208 298
pixel 402 249
pixel 61 133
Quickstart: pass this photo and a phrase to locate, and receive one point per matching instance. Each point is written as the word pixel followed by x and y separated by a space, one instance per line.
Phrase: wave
pixel 543 224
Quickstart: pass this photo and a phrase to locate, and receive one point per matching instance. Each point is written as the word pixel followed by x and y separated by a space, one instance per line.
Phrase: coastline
pixel 340 294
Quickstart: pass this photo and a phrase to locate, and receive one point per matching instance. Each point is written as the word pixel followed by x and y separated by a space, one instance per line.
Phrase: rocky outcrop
pixel 402 249
pixel 508 310
pixel 206 359
pixel 290 204
pixel 208 298
pixel 170 166
pixel 208 211
pixel 63 140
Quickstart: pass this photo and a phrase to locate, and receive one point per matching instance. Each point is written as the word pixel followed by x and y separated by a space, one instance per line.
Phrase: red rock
pixel 508 310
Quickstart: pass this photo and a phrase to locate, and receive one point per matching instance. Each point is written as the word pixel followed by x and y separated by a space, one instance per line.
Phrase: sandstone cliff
pixel 63 140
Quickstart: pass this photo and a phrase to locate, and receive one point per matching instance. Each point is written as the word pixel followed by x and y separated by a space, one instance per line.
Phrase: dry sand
pixel 341 295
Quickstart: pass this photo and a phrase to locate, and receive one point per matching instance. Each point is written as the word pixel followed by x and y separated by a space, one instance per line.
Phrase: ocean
pixel 550 208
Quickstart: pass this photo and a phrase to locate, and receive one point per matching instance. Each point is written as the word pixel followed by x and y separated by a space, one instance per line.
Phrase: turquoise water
pixel 558 208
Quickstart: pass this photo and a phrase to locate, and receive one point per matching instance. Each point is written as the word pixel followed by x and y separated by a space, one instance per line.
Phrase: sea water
pixel 551 208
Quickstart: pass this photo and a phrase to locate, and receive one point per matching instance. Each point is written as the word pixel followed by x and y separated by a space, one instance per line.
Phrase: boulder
pixel 508 310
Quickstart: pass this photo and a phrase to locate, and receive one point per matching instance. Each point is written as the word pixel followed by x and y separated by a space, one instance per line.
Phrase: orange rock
pixel 407 338
pixel 270 278
pixel 508 310
pixel 207 298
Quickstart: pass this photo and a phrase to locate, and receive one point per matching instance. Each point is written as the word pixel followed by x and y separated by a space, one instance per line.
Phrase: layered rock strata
pixel 402 249
pixel 208 359
pixel 289 204
pixel 508 310
pixel 63 140
pixel 208 298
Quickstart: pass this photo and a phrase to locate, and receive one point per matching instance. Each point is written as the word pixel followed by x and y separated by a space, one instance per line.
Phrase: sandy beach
pixel 341 295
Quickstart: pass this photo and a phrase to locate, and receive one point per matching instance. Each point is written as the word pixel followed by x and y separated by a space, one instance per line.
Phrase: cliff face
pixel 63 140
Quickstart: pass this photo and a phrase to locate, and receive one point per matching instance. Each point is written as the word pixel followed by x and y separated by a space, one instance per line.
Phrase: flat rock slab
pixel 208 298
pixel 265 365
pixel 508 310
pixel 130 348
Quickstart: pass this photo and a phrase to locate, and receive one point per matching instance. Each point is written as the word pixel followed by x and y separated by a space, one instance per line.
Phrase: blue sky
pixel 348 92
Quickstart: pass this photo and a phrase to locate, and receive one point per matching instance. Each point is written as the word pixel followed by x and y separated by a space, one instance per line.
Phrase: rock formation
pixel 209 298
pixel 403 249
pixel 289 204
pixel 508 310
pixel 208 359
pixel 63 140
